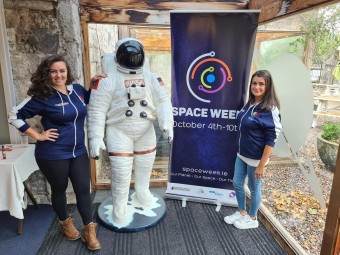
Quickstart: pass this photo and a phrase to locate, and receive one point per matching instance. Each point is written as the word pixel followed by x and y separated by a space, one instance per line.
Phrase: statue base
pixel 139 222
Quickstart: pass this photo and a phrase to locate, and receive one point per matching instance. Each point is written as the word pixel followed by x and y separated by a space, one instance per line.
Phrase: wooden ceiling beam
pixel 101 12
pixel 275 9
pixel 274 35
pixel 167 5
pixel 123 16
pixel 136 12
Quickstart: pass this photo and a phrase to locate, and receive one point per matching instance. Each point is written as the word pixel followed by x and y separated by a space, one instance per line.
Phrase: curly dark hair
pixel 270 98
pixel 41 81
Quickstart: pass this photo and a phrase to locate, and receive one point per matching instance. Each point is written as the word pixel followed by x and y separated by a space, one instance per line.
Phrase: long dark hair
pixel 41 81
pixel 270 98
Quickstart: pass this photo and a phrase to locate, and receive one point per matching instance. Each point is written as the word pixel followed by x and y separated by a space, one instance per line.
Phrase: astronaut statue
pixel 126 103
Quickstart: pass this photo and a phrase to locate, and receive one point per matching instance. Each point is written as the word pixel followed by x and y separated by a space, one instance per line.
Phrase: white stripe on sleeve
pixel 277 123
pixel 12 115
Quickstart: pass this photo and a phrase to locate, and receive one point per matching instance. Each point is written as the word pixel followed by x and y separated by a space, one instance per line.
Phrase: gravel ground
pixel 288 196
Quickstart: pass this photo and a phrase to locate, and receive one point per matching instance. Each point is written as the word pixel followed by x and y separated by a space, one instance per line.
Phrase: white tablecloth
pixel 14 170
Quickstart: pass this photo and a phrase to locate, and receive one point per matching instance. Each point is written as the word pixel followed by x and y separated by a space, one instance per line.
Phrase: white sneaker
pixel 246 223
pixel 232 218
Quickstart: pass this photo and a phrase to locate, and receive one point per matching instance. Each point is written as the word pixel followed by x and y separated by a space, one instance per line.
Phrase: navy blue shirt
pixel 257 128
pixel 66 113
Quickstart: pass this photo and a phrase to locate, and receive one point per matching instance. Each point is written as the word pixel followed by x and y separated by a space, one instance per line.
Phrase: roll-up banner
pixel 211 60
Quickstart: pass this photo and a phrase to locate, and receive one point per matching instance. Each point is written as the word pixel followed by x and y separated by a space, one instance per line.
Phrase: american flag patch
pixel 95 85
pixel 160 81
pixel 82 100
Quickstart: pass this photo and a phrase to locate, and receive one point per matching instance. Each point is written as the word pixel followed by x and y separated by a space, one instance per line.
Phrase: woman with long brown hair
pixel 258 128
pixel 60 149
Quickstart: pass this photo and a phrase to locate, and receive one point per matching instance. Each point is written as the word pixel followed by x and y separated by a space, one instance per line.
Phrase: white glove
pixel 95 145
pixel 169 134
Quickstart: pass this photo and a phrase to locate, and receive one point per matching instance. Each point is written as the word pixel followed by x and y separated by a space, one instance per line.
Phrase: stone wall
pixel 102 39
pixel 35 29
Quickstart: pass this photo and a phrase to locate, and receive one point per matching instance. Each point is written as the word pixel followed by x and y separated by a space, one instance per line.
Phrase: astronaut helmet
pixel 129 55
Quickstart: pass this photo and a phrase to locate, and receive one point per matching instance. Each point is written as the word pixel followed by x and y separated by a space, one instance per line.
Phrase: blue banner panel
pixel 211 59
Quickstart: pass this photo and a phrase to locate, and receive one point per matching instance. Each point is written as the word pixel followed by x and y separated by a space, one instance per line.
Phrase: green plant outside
pixel 321 31
pixel 331 132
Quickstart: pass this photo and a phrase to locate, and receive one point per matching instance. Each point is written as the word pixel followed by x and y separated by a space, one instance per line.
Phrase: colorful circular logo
pixel 207 75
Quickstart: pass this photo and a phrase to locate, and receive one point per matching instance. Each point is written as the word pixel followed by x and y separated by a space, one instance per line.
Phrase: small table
pixel 327 106
pixel 14 170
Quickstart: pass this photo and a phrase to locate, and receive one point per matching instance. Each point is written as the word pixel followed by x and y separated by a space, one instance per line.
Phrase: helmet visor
pixel 130 55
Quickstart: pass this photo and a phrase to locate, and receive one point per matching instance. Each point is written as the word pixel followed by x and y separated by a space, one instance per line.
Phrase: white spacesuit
pixel 126 103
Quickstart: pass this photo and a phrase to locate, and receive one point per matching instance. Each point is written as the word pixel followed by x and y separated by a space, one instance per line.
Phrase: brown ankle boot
pixel 69 230
pixel 88 236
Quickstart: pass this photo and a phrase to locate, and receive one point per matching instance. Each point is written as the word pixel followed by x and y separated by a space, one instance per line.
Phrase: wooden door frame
pixel 95 185
pixel 6 73
pixel 331 237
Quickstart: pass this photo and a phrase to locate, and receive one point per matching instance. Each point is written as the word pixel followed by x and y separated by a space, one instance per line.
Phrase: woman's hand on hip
pixel 49 135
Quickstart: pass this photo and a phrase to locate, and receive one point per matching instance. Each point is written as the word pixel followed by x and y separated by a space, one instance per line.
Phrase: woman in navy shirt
pixel 259 124
pixel 60 150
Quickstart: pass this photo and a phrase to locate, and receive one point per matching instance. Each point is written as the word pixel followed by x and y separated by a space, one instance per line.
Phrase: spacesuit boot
pixel 120 186
pixel 143 169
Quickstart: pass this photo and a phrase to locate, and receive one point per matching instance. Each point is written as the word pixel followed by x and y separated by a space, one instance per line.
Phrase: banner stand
pixel 211 60
pixel 185 200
